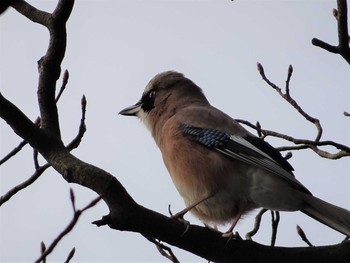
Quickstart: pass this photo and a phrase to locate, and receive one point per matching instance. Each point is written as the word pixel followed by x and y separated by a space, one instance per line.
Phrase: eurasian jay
pixel 221 170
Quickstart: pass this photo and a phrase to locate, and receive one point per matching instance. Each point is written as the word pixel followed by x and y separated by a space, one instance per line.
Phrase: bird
pixel 221 170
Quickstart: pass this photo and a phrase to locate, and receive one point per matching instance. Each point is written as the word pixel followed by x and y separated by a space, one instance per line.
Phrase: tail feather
pixel 333 216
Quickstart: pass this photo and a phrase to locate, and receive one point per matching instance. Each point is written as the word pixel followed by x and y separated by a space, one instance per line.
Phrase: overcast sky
pixel 114 49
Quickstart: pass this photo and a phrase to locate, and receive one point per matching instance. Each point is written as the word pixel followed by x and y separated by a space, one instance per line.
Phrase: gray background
pixel 114 49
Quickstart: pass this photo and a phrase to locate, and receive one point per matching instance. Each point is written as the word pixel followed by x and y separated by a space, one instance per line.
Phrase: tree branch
pixel 13 152
pixel 39 170
pixel 69 227
pixel 343 49
pixel 37 121
pixel 301 143
pixel 23 185
pixel 303 236
pixel 30 12
pixel 49 65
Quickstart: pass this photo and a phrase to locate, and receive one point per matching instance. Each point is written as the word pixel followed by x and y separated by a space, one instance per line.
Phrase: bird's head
pixel 166 93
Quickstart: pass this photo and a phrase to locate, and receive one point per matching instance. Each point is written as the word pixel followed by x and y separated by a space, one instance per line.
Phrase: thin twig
pixel 257 222
pixel 13 152
pixel 303 236
pixel 299 143
pixel 42 251
pixel 302 143
pixel 290 100
pixel 68 228
pixel 63 86
pixel 330 48
pixel 70 255
pixel 37 122
pixel 288 155
pixel 343 49
pixel 275 216
pixel 82 127
pixel 24 184
pixel 39 170
pixel 290 72
pixel 163 249
pixel 292 148
pixel 36 160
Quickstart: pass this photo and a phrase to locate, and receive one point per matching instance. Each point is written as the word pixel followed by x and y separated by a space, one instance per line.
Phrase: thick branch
pixel 38 121
pixel 343 33
pixel 39 170
pixel 30 12
pixel 21 125
pixel 49 65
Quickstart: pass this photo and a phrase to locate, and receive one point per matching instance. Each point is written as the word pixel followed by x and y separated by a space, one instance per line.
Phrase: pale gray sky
pixel 114 49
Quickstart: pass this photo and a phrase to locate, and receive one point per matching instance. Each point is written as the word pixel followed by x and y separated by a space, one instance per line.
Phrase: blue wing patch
pixel 247 149
pixel 209 137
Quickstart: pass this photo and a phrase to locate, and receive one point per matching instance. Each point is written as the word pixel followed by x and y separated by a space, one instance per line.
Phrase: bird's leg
pixel 229 232
pixel 181 214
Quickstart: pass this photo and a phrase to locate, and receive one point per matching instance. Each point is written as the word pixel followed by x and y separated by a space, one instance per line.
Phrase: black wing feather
pixel 249 149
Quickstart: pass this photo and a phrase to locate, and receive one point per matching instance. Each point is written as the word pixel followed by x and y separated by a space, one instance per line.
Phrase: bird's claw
pixel 180 219
pixel 230 235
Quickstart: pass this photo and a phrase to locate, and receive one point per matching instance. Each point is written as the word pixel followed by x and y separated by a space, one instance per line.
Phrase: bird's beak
pixel 132 110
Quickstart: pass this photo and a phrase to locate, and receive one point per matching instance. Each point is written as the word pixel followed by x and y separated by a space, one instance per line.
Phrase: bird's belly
pixel 223 185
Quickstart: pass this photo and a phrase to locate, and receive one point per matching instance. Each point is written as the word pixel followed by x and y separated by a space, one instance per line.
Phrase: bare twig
pixel 290 72
pixel 37 122
pixel 40 169
pixel 63 86
pixel 163 249
pixel 13 152
pixel 82 127
pixel 36 160
pixel 69 227
pixel 18 148
pixel 42 251
pixel 300 144
pixel 275 219
pixel 290 100
pixel 330 48
pixel 23 185
pixel 303 236
pixel 288 155
pixel 258 126
pixel 70 255
pixel 343 49
pixel 258 217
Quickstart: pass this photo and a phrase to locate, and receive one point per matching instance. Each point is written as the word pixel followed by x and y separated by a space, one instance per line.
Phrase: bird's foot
pixel 179 217
pixel 230 235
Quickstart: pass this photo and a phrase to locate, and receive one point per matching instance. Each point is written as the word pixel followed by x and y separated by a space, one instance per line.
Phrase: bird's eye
pixel 152 94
